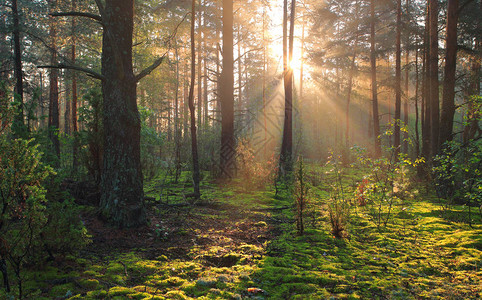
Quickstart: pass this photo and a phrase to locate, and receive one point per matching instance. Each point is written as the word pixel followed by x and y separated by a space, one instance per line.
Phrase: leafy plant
pixel 338 207
pixel 254 174
pixel 301 196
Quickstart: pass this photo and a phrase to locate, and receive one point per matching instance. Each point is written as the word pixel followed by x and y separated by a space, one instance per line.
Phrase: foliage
pixel 458 174
pixel 254 174
pixel 301 196
pixel 338 207
pixel 91 137
pixel 28 222
pixel 386 184
pixel 151 143
pixel 22 201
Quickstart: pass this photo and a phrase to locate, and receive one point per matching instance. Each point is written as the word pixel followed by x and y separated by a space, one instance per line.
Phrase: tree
pixel 54 86
pixel 226 91
pixel 19 122
pixel 122 195
pixel 195 161
pixel 373 63
pixel 448 100
pixel 398 80
pixel 287 142
pixel 433 77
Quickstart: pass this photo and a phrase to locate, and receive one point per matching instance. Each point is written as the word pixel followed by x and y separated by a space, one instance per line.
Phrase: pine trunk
pixel 122 197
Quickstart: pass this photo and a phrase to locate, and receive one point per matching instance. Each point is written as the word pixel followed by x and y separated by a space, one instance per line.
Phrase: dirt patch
pixel 175 231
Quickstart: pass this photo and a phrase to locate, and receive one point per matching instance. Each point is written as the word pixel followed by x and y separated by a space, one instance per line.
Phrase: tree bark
pixel 226 90
pixel 417 117
pixel 122 195
pixel 426 115
pixel 54 86
pixel 177 135
pixel 407 92
pixel 398 81
pixel 373 63
pixel 348 93
pixel 18 72
pixel 434 84
pixel 287 143
pixel 448 100
pixel 194 152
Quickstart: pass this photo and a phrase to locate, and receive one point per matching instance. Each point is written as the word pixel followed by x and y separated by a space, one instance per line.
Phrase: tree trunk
pixel 398 81
pixel 407 92
pixel 433 69
pixel 373 63
pixel 177 136
pixel 448 100
pixel 426 115
pixel 348 94
pixel 54 86
pixel 417 118
pixel 287 143
pixel 74 92
pixel 195 161
pixel 199 65
pixel 19 120
pixel 122 196
pixel 226 91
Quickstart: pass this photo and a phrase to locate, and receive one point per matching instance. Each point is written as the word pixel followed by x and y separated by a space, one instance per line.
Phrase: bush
pixel 28 221
pixel 22 207
pixel 254 174
pixel 457 172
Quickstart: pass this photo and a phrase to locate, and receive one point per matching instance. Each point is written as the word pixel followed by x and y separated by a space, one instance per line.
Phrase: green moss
pixel 62 290
pixel 90 284
pixel 98 294
pixel 119 291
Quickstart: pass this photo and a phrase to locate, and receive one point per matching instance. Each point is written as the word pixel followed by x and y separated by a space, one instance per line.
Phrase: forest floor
pixel 243 244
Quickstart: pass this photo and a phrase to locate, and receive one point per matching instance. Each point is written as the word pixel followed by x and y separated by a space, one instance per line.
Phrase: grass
pixel 237 246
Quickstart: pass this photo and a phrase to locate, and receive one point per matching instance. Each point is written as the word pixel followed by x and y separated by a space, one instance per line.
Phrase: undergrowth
pixel 245 245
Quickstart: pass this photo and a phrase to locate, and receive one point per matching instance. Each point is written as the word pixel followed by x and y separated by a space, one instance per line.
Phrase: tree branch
pixel 77 14
pixel 245 53
pixel 89 72
pixel 151 68
pixel 100 6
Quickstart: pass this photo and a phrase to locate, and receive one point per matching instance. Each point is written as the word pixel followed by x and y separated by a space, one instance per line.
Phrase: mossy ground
pixel 239 244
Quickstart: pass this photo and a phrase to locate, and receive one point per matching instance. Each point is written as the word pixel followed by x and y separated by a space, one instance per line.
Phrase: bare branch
pixel 158 62
pixel 244 54
pixel 151 68
pixel 77 14
pixel 89 72
pixel 100 6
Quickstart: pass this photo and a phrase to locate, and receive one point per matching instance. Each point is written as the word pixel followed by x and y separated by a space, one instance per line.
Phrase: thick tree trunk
pixel 373 63
pixel 398 81
pixel 287 143
pixel 226 91
pixel 434 84
pixel 195 161
pixel 54 86
pixel 122 197
pixel 448 100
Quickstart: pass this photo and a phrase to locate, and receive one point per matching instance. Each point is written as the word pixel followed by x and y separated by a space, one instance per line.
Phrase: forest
pixel 240 149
